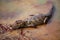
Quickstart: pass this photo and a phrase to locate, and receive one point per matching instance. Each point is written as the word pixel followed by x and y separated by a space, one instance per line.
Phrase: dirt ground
pixel 50 31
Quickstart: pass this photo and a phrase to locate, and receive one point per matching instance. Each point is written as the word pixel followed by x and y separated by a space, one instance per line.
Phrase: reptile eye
pixel 31 15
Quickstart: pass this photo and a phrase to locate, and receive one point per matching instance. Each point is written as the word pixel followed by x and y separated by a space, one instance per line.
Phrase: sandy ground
pixel 45 32
pixel 50 31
